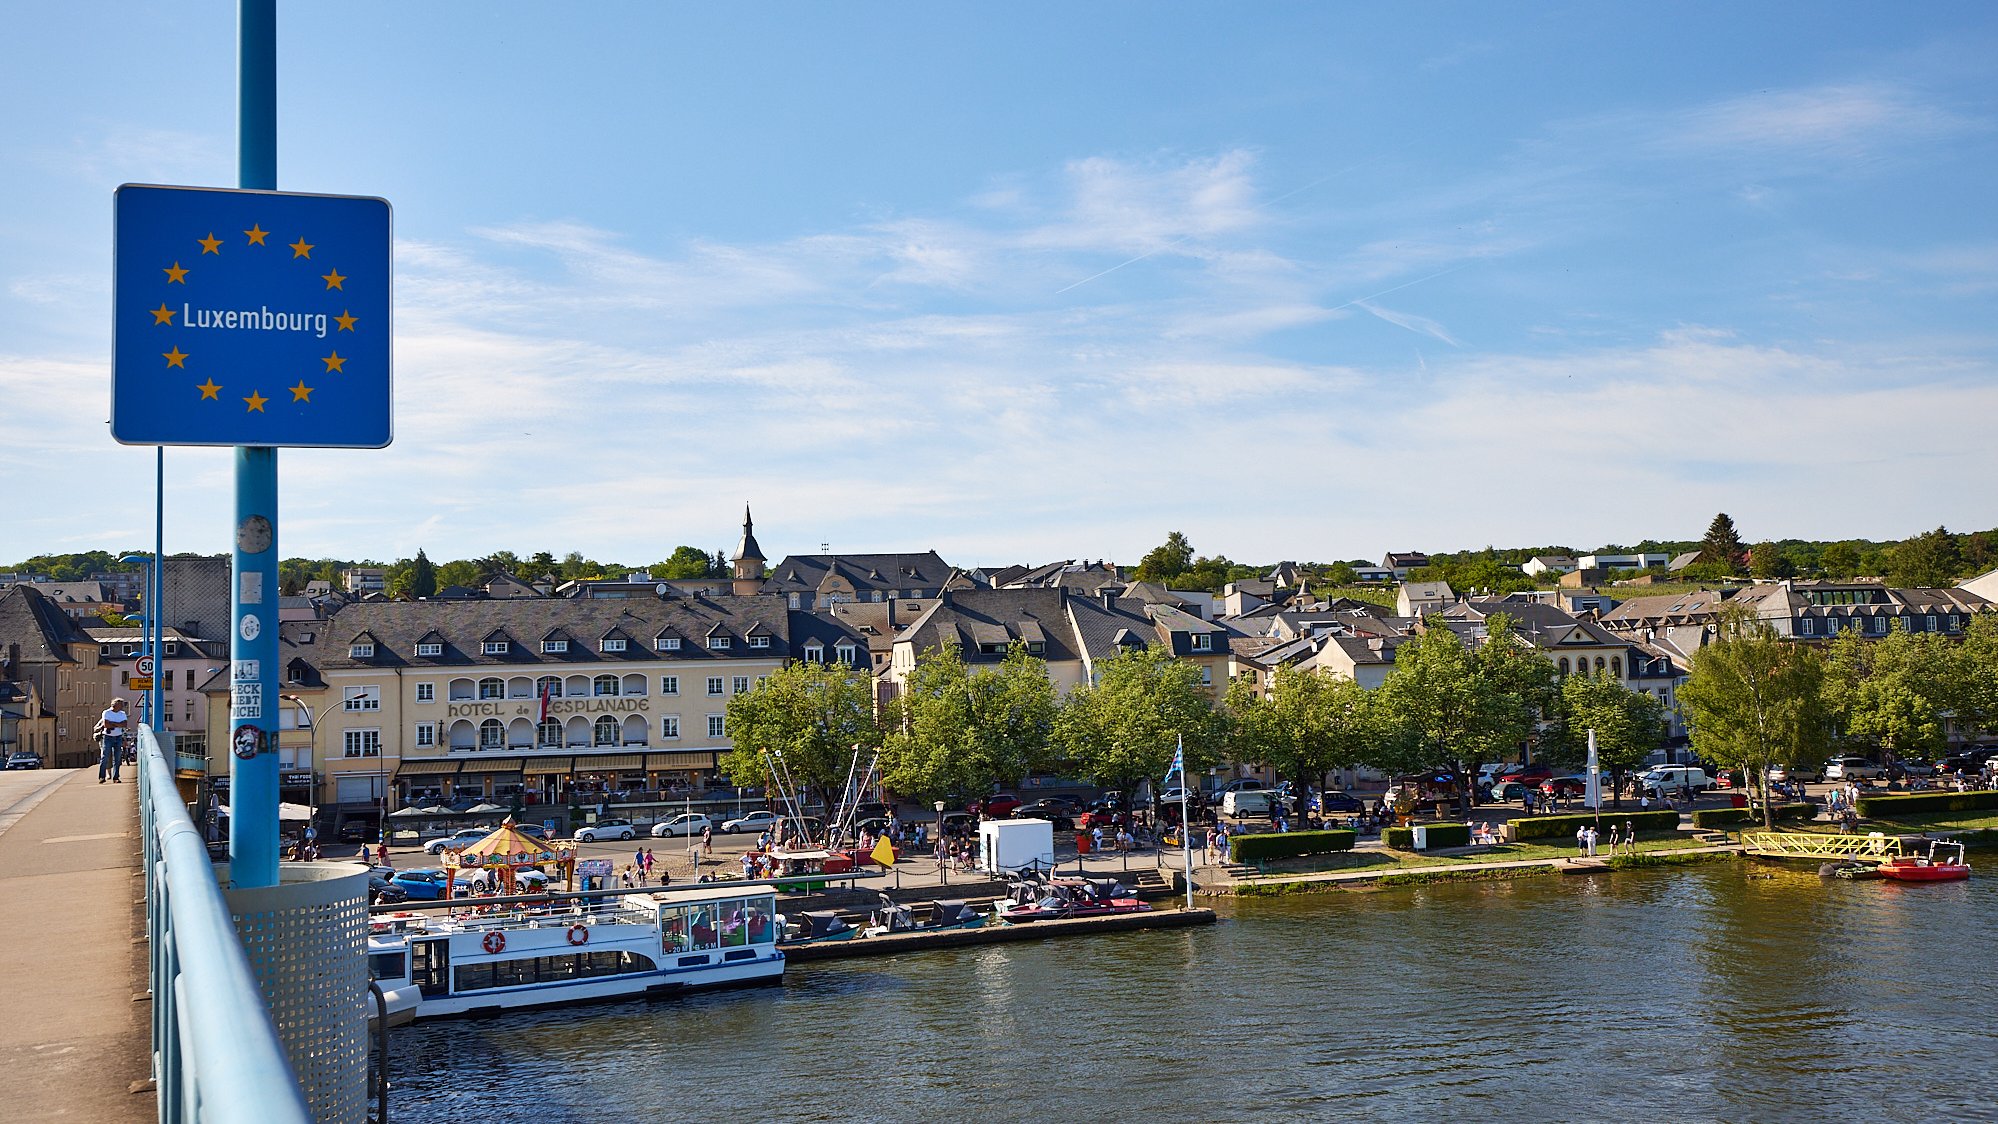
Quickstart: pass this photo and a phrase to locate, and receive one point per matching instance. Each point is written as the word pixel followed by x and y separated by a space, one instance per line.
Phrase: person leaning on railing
pixel 111 729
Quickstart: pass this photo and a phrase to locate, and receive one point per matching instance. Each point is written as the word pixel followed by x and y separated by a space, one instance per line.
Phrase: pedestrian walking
pixel 708 839
pixel 381 854
pixel 1591 841
pixel 1221 845
pixel 1581 841
pixel 650 861
pixel 111 728
pixel 1615 841
pixel 1630 836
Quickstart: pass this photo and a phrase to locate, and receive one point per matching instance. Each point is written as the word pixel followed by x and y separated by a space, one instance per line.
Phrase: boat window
pixel 430 962
pixel 527 971
pixel 692 961
pixel 385 966
pixel 740 954
pixel 689 928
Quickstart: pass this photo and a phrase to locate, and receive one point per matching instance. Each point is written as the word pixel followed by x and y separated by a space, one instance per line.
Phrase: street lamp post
pixel 943 849
pixel 151 713
pixel 312 743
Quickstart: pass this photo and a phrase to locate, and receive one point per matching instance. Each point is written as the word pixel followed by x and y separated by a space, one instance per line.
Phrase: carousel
pixel 512 859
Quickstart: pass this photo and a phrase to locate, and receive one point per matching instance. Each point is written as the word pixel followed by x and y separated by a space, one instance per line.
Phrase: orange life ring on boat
pixel 578 935
pixel 494 941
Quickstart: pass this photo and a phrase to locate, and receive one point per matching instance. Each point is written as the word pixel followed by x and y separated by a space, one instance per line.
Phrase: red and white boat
pixel 1943 863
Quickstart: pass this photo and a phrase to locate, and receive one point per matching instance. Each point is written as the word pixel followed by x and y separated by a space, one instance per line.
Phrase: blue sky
pixel 1032 281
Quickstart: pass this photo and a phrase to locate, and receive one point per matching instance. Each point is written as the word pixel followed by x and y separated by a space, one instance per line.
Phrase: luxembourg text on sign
pixel 250 318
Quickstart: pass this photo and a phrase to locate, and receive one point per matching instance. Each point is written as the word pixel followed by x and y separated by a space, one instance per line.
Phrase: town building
pixel 1419 599
pixel 1400 563
pixel 59 683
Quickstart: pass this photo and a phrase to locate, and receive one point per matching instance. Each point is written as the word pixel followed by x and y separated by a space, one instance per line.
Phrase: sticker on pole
pixel 250 318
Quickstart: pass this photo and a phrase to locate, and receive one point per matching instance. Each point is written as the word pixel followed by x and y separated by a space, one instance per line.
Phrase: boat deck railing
pixel 216 1055
pixel 476 919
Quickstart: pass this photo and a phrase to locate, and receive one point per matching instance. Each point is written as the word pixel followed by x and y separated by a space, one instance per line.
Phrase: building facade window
pixel 426 733
pixel 550 685
pixel 554 647
pixel 1561 666
pixel 714 684
pixel 492 734
pixel 606 730
pixel 361 651
pixel 430 649
pixel 495 647
pixel 1616 666
pixel 846 652
pixel 426 692
pixel 669 726
pixel 492 688
pixel 815 652
pixel 604 685
pixel 363 743
pixel 719 643
pixel 669 643
pixel 550 732
pixel 717 726
pixel 361 698
pixel 613 644
pixel 1807 627
pixel 669 684
pixel 1202 642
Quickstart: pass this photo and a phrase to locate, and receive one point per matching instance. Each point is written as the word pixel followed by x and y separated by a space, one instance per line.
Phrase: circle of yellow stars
pixel 176 274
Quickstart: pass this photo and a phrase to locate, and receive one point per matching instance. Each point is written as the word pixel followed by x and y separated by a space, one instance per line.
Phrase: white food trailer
pixel 1010 846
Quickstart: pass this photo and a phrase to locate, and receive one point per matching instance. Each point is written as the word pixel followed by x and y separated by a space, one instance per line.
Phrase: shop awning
pixel 611 763
pixel 427 768
pixel 666 762
pixel 546 766
pixel 493 765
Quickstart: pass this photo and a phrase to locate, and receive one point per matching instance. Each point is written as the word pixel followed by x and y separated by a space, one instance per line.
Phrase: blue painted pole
pixel 156 596
pixel 253 762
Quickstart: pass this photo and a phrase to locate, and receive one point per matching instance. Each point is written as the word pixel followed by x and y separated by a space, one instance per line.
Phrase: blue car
pixel 428 885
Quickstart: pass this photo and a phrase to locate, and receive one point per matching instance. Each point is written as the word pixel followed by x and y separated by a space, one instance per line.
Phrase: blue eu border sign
pixel 250 318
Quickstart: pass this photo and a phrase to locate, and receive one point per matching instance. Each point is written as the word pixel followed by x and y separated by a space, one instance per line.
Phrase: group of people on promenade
pixel 1622 842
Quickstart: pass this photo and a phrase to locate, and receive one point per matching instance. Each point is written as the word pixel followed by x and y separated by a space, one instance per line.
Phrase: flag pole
pixel 1185 826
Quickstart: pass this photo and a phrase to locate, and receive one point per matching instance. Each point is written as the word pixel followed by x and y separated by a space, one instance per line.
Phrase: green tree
pixel 1930 560
pixel 1123 729
pixel 808 715
pixel 1767 562
pixel 1722 544
pixel 1167 561
pixel 1628 724
pixel 1752 700
pixel 422 576
pixel 1896 692
pixel 1341 573
pixel 460 572
pixel 541 564
pixel 1840 561
pixel 1310 723
pixel 685 562
pixel 1441 711
pixel 1977 678
pixel 955 732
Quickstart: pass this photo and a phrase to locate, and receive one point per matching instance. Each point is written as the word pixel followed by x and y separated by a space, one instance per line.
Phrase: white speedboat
pixel 476 960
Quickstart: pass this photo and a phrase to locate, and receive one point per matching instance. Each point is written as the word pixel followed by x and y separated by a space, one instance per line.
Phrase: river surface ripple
pixel 1729 992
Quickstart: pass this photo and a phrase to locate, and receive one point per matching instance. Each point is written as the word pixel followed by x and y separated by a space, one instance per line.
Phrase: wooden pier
pixel 994 932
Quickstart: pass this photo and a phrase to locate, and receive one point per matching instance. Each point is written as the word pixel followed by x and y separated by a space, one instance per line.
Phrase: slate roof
pixel 41 629
pixel 804 573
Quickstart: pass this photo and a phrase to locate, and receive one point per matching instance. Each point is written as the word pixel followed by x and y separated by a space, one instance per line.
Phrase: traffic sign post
pixel 142 668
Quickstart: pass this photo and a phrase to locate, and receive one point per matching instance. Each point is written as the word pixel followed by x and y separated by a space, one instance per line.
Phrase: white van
pixel 1661 779
pixel 1246 802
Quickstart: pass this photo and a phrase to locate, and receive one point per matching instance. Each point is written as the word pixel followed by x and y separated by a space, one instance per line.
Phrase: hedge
pixel 1728 817
pixel 1888 807
pixel 1398 838
pixel 1564 827
pixel 1440 835
pixel 1265 845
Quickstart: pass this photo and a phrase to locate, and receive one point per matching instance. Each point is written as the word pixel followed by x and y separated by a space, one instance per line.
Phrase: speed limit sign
pixel 144 668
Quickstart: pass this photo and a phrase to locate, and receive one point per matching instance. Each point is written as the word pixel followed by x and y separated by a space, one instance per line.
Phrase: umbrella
pixel 484 808
pixel 294 812
pixel 437 810
pixel 407 813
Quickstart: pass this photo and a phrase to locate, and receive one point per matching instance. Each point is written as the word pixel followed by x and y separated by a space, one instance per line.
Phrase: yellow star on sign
pixel 345 319
pixel 301 248
pixel 163 315
pixel 333 280
pixel 335 363
pixel 256 401
pixel 256 234
pixel 301 392
pixel 208 389
pixel 211 244
pixel 175 274
pixel 176 357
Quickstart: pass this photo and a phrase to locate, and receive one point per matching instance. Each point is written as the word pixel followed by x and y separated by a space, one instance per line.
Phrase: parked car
pixel 1852 769
pixel 1055 813
pixel 1565 786
pixel 24 760
pixel 427 885
pixel 463 837
pixel 1246 784
pixel 1784 774
pixel 1661 779
pixel 1525 774
pixel 605 830
pixel 1911 767
pixel 686 823
pixel 381 891
pixel 999 805
pixel 757 821
pixel 1337 801
pixel 1506 791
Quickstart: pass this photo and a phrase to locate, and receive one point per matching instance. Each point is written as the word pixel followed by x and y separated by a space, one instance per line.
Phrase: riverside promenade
pixel 74 1041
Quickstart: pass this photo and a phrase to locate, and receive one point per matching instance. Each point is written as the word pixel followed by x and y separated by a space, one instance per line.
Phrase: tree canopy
pixel 955 732
pixel 810 714
pixel 1752 700
pixel 1309 723
pixel 1123 729
pixel 1722 545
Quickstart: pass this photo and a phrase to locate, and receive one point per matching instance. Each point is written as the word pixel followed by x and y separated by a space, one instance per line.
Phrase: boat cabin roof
pixel 711 892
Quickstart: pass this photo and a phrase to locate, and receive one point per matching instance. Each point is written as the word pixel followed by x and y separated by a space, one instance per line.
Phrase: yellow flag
pixel 884 852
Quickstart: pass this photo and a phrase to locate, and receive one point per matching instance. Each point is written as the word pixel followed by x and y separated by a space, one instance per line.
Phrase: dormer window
pixel 432 649
pixel 361 650
pixel 669 643
pixel 554 647
pixel 1202 642
pixel 495 647
pixel 1036 647
pixel 815 652
pixel 845 651
pixel 613 644
pixel 718 643
pixel 759 641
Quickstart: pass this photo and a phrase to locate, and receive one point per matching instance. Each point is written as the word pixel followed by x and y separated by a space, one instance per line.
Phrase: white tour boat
pixel 482 959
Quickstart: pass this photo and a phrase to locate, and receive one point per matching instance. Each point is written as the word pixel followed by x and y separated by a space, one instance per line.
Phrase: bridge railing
pixel 216 1056
pixel 1801 845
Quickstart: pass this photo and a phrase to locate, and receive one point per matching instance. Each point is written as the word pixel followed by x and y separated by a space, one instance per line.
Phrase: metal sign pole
pixel 155 597
pixel 253 763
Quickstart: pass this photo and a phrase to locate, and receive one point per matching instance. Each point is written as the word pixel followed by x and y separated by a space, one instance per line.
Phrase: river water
pixel 1733 992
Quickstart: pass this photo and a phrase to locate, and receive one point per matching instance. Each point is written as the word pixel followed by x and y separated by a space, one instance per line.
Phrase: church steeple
pixel 748 560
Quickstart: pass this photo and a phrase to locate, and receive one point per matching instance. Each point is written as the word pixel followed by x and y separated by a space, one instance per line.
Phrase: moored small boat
pixel 1943 863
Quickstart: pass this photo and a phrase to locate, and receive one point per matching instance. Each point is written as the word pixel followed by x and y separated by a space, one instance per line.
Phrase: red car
pixel 1564 786
pixel 999 806
pixel 1525 774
